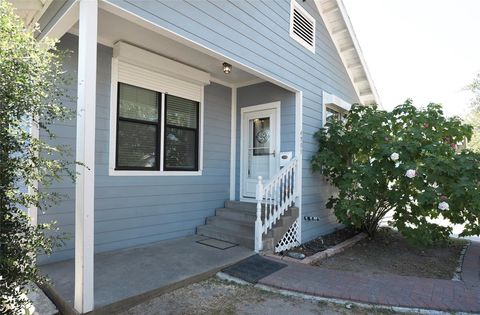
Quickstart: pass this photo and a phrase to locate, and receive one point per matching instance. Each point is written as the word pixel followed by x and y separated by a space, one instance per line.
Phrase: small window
pixel 139 126
pixel 334 113
pixel 334 107
pixel 302 26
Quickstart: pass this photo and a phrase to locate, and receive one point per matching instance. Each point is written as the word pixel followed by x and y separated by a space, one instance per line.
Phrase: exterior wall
pixel 256 33
pixel 131 211
pixel 260 94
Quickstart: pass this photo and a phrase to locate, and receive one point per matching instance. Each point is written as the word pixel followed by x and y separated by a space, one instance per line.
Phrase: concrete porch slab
pixel 126 276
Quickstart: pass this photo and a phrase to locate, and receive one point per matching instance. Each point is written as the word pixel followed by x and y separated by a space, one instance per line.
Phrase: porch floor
pixel 131 275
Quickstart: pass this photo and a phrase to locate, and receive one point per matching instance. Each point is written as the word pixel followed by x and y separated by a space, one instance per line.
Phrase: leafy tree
pixel 31 78
pixel 405 161
pixel 473 117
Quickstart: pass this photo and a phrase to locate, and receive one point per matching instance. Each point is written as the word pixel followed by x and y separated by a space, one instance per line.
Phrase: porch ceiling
pixel 112 28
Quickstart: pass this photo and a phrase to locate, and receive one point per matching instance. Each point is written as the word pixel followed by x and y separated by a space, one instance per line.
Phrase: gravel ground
pixel 215 297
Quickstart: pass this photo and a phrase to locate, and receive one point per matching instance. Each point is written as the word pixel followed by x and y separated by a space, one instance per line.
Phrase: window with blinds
pixel 181 134
pixel 139 126
pixel 302 26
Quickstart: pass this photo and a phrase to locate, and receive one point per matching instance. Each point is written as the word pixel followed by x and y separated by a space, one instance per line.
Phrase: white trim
pixel 264 106
pixel 162 139
pixel 64 23
pixel 113 115
pixel 233 144
pixel 334 102
pixel 294 5
pixel 249 109
pixel 299 155
pixel 113 130
pixel 201 112
pixel 85 153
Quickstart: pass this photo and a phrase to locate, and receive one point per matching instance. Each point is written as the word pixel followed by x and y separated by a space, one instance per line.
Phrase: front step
pixel 236 224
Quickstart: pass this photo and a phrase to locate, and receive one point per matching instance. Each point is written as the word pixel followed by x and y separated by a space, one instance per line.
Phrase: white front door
pixel 260 146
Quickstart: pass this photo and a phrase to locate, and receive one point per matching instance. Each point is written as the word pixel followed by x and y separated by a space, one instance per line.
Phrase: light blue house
pixel 198 117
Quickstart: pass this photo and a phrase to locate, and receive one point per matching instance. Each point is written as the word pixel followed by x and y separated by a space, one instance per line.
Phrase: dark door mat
pixel 213 242
pixel 253 268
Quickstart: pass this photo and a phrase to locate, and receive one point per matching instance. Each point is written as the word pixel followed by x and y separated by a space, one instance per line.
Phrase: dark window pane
pixel 138 103
pixel 180 149
pixel 136 145
pixel 181 112
pixel 335 114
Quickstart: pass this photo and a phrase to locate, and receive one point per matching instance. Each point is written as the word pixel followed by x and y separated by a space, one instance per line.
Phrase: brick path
pixel 391 290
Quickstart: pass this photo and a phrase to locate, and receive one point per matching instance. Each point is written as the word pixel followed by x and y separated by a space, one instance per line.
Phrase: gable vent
pixel 302 26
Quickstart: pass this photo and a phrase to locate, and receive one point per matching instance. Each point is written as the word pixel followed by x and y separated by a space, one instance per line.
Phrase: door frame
pixel 249 109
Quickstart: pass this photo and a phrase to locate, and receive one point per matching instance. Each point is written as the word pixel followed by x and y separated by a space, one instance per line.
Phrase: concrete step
pixel 234 226
pixel 228 218
pixel 223 221
pixel 241 205
pixel 236 214
pixel 247 215
pixel 229 236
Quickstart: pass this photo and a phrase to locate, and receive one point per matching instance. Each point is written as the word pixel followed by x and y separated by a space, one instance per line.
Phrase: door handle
pixel 273 153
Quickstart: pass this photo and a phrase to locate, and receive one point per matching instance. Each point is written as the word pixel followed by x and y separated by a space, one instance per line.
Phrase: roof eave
pixel 30 10
pixel 333 13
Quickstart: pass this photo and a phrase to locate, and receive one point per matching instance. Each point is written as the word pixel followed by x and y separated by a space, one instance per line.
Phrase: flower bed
pixel 323 243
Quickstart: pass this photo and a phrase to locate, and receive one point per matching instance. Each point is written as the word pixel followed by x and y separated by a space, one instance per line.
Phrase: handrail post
pixel 297 183
pixel 258 221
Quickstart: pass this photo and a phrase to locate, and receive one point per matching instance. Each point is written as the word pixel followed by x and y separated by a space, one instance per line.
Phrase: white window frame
pixel 335 103
pixel 295 5
pixel 177 68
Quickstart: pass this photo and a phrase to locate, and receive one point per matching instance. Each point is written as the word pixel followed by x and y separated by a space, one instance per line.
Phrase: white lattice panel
pixel 290 239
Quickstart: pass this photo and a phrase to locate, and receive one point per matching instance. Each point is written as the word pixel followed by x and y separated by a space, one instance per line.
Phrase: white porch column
pixel 84 192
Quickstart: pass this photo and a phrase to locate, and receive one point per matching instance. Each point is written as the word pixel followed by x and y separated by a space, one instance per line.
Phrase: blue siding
pixel 132 211
pixel 256 33
pixel 260 94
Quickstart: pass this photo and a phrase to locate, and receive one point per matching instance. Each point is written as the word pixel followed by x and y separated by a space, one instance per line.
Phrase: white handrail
pixel 274 199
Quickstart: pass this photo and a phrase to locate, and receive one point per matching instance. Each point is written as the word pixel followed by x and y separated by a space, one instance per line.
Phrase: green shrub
pixel 404 161
pixel 31 78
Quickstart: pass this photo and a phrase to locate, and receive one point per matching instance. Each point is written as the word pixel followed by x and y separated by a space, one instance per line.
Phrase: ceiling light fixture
pixel 227 68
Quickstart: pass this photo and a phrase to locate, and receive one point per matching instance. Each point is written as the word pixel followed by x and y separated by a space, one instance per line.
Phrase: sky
pixel 427 50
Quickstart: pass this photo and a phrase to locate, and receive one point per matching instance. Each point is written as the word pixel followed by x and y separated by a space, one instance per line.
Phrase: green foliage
pixel 473 118
pixel 358 156
pixel 30 96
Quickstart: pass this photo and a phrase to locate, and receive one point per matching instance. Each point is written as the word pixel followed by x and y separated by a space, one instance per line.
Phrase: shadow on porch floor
pixel 125 277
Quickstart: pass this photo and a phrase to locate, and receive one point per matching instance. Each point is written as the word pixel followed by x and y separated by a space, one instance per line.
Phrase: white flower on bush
pixel 443 206
pixel 411 173
pixel 395 156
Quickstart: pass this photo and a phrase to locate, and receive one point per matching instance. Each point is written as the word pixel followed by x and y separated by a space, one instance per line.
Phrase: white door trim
pixel 273 105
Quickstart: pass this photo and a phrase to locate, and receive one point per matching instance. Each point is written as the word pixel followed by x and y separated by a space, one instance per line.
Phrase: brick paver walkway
pixel 391 290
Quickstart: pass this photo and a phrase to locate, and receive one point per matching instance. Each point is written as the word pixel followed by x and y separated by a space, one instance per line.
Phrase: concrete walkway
pixel 126 277
pixel 390 290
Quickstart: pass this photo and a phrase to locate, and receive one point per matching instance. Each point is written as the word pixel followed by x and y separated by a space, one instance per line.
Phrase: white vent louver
pixel 302 26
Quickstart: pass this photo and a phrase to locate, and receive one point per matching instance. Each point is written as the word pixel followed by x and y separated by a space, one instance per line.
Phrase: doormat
pixel 213 242
pixel 253 268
